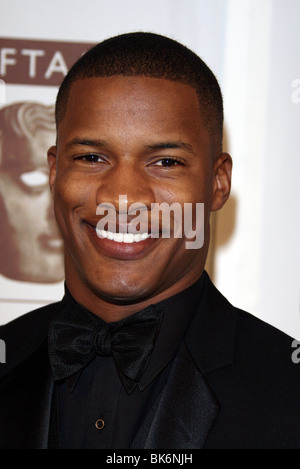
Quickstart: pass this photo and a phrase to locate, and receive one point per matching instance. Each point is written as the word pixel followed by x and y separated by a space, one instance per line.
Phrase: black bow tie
pixel 76 336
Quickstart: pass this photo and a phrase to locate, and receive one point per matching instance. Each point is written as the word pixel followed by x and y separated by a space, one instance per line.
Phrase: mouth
pixel 122 237
pixel 122 246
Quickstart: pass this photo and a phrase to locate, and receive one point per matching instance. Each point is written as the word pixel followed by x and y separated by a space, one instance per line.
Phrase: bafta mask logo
pixel 31 246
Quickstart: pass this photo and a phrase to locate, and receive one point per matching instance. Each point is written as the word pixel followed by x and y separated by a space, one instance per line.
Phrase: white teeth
pixel 122 237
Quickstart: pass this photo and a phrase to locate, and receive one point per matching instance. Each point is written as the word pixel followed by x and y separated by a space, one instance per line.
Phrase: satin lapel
pixel 27 393
pixel 184 412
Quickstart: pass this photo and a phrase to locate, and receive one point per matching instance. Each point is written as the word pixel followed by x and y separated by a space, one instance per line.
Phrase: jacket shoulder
pixel 24 334
pixel 248 365
pixel 222 326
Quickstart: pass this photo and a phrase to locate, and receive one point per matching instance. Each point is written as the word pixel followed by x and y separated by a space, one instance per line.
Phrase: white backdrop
pixel 253 47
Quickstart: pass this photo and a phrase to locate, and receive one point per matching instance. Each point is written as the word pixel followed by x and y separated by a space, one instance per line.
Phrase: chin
pixel 124 292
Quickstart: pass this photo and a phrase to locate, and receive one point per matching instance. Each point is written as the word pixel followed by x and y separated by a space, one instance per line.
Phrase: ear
pixel 51 157
pixel 221 180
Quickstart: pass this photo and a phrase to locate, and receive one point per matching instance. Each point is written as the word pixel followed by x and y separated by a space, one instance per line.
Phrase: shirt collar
pixel 178 311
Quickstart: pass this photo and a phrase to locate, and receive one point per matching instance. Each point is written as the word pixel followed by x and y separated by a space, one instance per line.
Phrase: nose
pixel 129 180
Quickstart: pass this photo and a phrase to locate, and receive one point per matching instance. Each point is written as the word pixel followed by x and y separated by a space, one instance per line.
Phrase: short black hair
pixel 150 55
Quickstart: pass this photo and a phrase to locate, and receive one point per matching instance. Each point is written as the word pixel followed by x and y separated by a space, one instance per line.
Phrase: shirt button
pixel 99 424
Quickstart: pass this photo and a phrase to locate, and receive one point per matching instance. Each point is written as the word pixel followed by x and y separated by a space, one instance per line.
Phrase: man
pixel 31 245
pixel 143 351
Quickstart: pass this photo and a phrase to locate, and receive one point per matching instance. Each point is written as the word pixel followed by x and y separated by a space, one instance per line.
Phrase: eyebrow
pixel 87 142
pixel 171 145
pixel 168 145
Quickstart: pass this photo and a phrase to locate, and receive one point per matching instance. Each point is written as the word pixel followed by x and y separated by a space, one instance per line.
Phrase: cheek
pixel 194 197
pixel 64 201
pixel 193 190
pixel 72 197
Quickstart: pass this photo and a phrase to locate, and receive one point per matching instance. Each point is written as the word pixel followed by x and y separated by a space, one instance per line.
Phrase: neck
pixel 111 310
pixel 93 294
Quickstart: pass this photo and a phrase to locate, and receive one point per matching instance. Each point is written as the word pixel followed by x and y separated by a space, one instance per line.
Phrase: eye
pixel 91 158
pixel 168 162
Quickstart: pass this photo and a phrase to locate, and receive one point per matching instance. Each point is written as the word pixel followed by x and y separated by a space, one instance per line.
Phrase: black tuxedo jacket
pixel 233 384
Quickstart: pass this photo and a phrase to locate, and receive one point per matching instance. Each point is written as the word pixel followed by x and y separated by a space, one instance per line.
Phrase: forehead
pixel 144 87
pixel 133 105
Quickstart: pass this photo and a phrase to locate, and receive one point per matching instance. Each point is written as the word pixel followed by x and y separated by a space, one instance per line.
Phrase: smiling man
pixel 143 137
pixel 143 351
